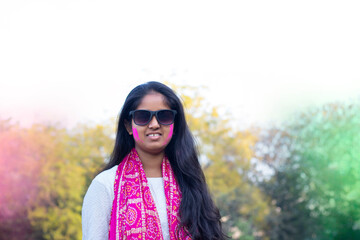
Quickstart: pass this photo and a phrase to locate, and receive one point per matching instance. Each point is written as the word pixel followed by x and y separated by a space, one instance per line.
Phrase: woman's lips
pixel 154 136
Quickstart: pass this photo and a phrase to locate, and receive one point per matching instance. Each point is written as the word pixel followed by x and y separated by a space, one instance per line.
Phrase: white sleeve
pixel 96 212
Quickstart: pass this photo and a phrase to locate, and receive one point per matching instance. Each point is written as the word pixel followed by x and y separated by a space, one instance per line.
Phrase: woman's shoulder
pixel 106 177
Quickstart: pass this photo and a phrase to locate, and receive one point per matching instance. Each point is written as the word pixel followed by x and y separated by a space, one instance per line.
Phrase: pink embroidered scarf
pixel 134 214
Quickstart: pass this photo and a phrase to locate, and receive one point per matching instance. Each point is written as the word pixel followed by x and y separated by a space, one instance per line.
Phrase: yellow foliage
pixel 70 159
pixel 69 162
pixel 228 155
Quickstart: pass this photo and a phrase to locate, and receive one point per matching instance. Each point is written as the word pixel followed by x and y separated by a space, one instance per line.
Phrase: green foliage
pixel 328 147
pixel 315 188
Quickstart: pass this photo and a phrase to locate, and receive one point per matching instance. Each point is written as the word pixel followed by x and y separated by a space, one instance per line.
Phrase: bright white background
pixel 75 61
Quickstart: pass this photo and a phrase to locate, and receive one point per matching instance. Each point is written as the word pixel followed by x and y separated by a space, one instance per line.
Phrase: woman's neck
pixel 151 163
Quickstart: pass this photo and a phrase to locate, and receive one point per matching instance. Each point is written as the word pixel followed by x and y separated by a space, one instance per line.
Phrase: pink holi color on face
pixel 170 134
pixel 136 135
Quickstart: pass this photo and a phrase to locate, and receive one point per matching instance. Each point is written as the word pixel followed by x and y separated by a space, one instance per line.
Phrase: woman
pixel 153 186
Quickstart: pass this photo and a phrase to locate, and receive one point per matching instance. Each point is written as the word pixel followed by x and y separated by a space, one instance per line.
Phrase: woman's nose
pixel 154 123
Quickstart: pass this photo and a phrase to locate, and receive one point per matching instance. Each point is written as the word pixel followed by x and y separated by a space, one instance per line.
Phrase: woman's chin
pixel 153 148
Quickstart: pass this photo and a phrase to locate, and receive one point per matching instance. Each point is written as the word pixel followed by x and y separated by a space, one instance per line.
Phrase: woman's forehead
pixel 153 101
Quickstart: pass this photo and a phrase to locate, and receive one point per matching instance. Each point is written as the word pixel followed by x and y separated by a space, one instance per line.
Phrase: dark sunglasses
pixel 143 117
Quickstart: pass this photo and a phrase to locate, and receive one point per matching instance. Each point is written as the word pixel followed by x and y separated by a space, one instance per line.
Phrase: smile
pixel 154 134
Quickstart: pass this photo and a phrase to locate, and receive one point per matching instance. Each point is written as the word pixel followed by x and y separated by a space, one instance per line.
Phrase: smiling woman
pixel 153 186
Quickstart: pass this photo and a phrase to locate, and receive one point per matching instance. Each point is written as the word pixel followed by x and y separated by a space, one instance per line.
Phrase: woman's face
pixel 153 137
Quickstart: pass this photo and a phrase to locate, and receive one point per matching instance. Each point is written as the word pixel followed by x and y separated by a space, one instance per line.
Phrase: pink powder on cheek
pixel 170 134
pixel 136 135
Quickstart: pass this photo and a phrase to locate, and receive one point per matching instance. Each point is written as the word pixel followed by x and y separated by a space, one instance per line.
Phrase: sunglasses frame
pixel 152 113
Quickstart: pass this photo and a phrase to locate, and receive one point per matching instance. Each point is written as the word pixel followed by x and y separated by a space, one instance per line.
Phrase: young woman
pixel 153 186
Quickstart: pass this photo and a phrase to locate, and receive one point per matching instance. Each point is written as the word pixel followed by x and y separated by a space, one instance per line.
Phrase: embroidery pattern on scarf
pixel 134 214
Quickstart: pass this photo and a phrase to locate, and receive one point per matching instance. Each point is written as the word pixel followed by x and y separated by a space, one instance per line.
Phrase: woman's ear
pixel 128 127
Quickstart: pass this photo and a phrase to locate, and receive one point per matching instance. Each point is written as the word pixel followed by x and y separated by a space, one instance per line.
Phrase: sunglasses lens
pixel 142 117
pixel 166 117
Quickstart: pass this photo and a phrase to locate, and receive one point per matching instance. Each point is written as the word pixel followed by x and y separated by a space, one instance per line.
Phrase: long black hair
pixel 198 213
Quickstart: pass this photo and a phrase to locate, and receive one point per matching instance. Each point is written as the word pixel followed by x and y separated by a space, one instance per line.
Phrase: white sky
pixel 71 61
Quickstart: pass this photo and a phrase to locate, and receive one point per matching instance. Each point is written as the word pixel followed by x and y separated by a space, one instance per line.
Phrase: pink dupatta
pixel 134 214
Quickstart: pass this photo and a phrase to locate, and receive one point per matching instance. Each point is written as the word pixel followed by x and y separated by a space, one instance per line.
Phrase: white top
pixel 98 201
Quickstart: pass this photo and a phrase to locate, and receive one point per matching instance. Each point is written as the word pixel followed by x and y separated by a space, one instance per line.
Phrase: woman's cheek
pixel 136 135
pixel 171 132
